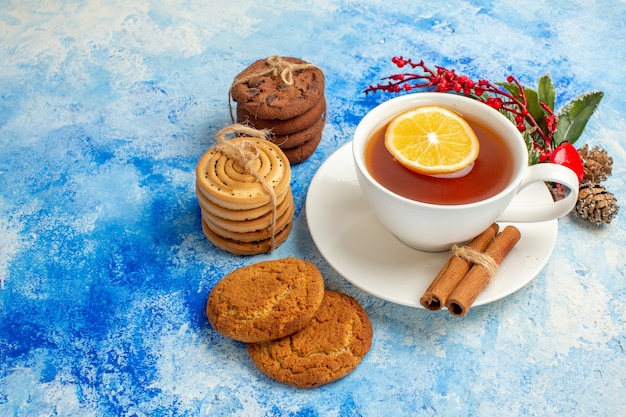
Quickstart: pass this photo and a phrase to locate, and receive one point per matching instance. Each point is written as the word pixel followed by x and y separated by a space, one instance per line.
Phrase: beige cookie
pixel 237 215
pixel 248 234
pixel 327 349
pixel 225 183
pixel 247 248
pixel 266 300
pixel 250 225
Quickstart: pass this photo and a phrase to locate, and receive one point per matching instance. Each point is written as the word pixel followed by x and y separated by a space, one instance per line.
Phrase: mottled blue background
pixel 105 108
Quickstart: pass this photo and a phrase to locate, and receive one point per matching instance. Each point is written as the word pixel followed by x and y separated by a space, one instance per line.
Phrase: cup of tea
pixel 431 213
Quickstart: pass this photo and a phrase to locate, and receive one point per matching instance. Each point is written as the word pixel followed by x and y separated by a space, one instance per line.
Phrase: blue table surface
pixel 105 108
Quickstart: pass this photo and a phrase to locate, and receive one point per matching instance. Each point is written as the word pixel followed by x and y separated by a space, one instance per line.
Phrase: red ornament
pixel 565 154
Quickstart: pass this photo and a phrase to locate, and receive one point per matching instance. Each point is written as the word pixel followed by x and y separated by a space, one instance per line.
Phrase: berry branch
pixel 512 102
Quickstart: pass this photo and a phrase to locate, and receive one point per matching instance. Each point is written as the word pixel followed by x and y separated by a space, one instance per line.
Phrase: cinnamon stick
pixel 453 271
pixel 479 275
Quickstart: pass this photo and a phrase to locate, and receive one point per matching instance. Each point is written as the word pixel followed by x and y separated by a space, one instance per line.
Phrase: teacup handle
pixel 540 212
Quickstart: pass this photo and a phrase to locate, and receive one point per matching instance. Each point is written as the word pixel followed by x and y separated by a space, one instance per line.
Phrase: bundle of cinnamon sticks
pixel 469 269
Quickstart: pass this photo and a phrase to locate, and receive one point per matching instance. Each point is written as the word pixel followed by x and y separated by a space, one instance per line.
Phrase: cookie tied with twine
pixel 284 95
pixel 278 88
pixel 277 66
pixel 242 185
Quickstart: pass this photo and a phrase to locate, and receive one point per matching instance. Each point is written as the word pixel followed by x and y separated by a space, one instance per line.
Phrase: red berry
pixel 495 102
pixel 565 154
pixel 399 61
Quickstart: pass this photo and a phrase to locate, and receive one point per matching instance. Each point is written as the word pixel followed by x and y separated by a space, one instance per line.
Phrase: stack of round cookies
pixel 285 96
pixel 297 332
pixel 247 206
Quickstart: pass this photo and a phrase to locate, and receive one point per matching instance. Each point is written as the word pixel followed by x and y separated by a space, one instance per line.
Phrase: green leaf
pixel 573 117
pixel 535 110
pixel 532 99
pixel 510 87
pixel 546 91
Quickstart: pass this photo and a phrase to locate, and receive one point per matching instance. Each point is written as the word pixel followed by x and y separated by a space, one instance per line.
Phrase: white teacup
pixel 432 227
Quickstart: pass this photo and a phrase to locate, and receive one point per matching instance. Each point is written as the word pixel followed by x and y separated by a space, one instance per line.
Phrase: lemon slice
pixel 432 140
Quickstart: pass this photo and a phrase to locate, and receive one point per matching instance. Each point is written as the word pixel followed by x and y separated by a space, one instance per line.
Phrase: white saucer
pixel 354 242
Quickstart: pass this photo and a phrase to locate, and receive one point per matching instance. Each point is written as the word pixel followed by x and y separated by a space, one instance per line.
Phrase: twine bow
pixel 245 152
pixel 475 257
pixel 276 66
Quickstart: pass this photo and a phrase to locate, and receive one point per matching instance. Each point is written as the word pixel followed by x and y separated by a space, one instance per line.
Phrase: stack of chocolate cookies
pixel 296 331
pixel 245 213
pixel 285 96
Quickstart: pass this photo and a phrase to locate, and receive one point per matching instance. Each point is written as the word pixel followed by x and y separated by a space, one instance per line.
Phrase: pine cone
pixel 598 164
pixel 557 191
pixel 595 204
